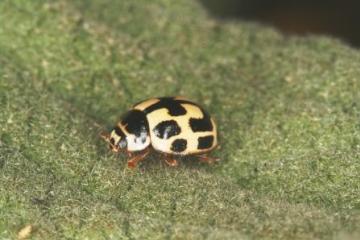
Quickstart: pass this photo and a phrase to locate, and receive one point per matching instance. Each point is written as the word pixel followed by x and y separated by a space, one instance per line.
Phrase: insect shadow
pixel 156 160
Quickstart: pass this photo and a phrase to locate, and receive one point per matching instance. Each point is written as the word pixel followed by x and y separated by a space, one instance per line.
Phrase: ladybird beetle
pixel 173 126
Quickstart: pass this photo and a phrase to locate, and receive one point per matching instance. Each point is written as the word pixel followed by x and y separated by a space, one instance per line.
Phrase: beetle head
pixel 116 139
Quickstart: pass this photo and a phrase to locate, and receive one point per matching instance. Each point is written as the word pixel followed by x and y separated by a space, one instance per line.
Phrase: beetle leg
pixel 132 162
pixel 170 160
pixel 207 159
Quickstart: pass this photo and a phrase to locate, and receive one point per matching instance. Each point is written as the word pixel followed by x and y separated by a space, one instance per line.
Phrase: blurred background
pixel 338 18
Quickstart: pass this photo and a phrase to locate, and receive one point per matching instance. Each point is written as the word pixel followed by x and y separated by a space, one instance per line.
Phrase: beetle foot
pixel 131 164
pixel 171 162
pixel 207 159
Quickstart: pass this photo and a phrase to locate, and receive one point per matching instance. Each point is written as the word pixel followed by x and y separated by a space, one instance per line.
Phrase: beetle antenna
pixel 105 136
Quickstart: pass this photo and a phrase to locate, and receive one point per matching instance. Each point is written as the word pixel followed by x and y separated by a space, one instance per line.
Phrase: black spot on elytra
pixel 172 105
pixel 205 142
pixel 179 145
pixel 175 109
pixel 201 124
pixel 135 122
pixel 167 129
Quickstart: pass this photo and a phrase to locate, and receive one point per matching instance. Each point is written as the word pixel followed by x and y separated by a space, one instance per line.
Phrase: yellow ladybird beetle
pixel 173 126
